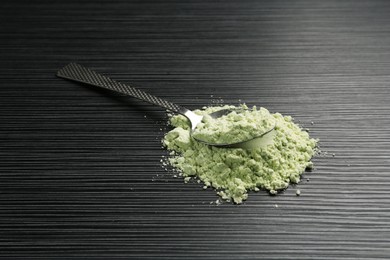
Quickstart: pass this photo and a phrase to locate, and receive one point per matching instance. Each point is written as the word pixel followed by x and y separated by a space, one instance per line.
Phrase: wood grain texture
pixel 80 175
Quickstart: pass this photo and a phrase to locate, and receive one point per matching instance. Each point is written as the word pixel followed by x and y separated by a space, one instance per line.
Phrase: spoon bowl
pixel 259 141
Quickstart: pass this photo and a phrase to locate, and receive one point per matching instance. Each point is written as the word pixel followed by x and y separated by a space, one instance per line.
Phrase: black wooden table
pixel 80 171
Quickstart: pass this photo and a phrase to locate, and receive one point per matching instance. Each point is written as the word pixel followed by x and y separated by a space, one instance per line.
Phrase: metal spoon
pixel 76 72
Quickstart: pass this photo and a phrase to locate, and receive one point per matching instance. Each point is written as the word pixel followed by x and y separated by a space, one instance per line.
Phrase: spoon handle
pixel 76 72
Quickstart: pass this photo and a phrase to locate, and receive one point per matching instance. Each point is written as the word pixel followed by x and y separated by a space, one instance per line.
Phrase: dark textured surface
pixel 79 168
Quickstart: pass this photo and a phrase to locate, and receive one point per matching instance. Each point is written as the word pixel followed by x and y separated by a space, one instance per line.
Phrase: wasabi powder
pixel 232 172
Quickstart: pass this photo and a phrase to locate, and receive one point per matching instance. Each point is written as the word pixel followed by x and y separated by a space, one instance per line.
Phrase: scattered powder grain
pixel 232 172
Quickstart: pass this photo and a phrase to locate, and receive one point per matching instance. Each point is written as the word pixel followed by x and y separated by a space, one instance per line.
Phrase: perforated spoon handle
pixel 77 72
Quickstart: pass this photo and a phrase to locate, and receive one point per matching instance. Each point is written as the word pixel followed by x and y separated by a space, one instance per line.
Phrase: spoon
pixel 76 72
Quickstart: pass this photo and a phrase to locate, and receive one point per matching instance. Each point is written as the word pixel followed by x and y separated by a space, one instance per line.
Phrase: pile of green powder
pixel 232 172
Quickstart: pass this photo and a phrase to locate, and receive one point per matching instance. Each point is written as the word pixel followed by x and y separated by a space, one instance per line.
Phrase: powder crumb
pixel 276 206
pixel 298 193
pixel 233 172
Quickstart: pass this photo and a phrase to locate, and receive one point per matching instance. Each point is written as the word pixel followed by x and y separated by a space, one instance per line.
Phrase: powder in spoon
pixel 236 126
pixel 232 172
